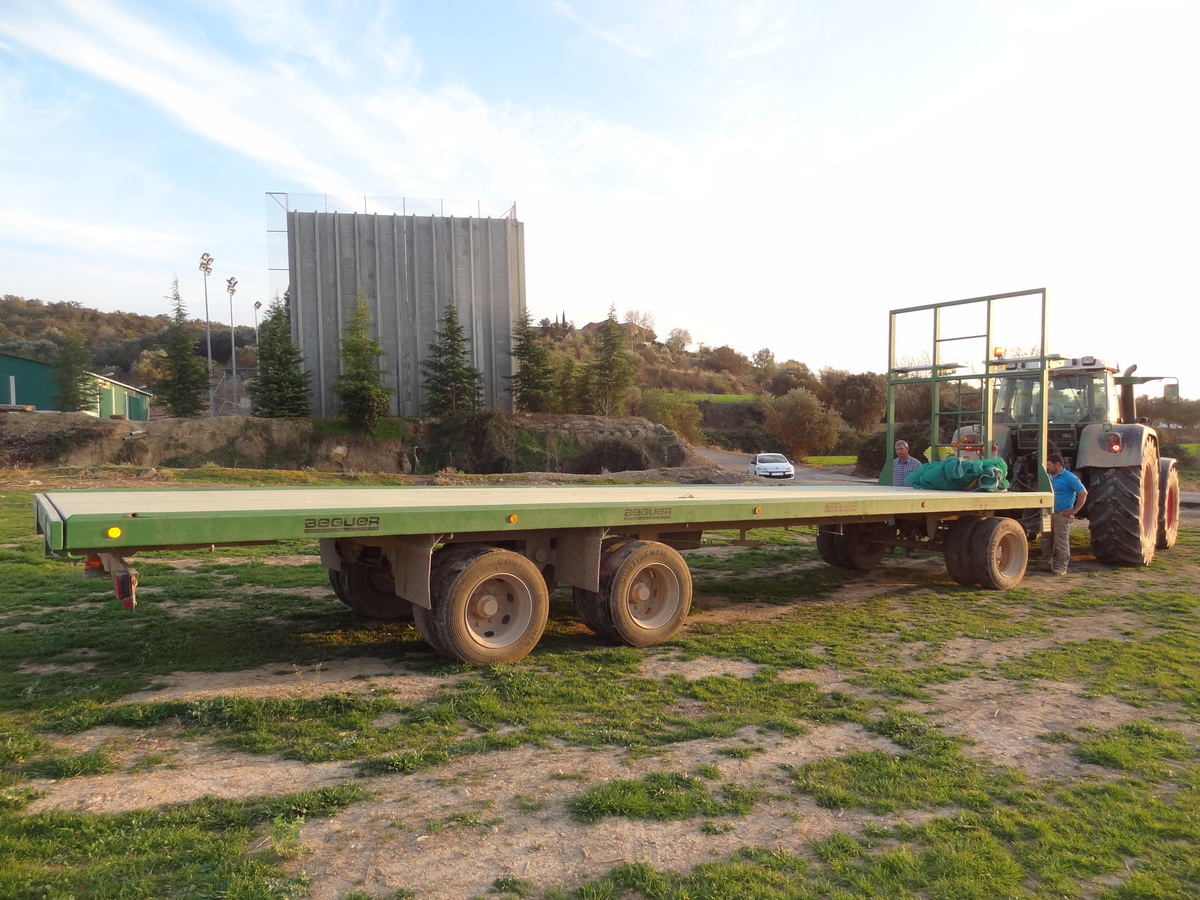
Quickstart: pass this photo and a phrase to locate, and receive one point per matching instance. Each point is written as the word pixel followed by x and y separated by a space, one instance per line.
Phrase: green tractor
pixel 1133 491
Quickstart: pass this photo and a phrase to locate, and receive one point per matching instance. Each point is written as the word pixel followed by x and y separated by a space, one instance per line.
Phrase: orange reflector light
pixel 113 532
pixel 1113 441
pixel 513 518
pixel 758 510
pixel 93 566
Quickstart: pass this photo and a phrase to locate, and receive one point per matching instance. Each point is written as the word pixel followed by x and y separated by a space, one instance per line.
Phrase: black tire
pixel 423 619
pixel 338 583
pixel 489 606
pixel 1168 504
pixel 958 551
pixel 372 592
pixel 999 553
pixel 860 546
pixel 829 547
pixel 589 608
pixel 592 613
pixel 1122 513
pixel 647 590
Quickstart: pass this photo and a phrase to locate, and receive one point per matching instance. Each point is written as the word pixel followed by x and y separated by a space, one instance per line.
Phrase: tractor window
pixel 1080 398
pixel 1018 401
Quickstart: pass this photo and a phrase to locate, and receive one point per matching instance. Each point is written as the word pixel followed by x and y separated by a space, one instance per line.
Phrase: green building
pixel 26 382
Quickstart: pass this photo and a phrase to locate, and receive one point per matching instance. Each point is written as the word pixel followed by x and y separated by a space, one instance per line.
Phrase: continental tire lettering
pixel 340 524
pixel 646 513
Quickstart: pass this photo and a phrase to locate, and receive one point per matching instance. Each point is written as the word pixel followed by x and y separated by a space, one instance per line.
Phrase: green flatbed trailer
pixel 474 566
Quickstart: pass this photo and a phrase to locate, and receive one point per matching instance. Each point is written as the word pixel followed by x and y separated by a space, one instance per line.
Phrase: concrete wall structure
pixel 409 268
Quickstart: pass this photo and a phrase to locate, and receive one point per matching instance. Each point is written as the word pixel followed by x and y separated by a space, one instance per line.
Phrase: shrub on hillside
pixel 610 454
pixel 745 439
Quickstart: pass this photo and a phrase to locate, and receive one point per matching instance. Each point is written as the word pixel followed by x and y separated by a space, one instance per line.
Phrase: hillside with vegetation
pixel 617 367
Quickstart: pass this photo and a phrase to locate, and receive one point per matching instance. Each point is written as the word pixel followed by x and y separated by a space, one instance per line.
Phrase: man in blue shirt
pixel 1069 497
pixel 903 465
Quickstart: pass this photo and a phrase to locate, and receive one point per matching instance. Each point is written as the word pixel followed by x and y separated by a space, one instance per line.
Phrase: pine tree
pixel 364 399
pixel 452 385
pixel 185 381
pixel 75 388
pixel 281 387
pixel 532 386
pixel 568 395
pixel 611 374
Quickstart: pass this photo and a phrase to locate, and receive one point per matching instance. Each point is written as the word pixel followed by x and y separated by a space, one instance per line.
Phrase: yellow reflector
pixel 113 532
pixel 512 518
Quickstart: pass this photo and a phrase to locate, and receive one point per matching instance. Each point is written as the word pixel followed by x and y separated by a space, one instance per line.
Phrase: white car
pixel 771 465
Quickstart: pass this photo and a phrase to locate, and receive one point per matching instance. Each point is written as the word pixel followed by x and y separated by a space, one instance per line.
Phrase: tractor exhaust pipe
pixel 1128 403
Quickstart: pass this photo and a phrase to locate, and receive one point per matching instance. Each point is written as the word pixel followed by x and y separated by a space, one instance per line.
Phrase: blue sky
pixel 763 173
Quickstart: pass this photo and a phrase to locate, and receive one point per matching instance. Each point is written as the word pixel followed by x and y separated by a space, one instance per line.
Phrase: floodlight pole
pixel 231 286
pixel 206 262
pixel 257 307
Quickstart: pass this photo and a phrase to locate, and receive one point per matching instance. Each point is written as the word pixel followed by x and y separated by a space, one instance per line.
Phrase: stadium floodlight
pixel 206 262
pixel 231 286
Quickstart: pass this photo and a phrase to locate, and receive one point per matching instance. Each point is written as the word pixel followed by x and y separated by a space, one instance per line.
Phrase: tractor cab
pixel 1082 392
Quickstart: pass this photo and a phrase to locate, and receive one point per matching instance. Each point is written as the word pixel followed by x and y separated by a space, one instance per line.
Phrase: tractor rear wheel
pixel 1122 511
pixel 1168 504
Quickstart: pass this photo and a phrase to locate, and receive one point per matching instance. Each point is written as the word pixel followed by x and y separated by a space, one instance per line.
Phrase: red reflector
pixel 1114 442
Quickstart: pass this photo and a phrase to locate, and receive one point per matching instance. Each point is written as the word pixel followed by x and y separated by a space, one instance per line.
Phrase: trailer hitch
pixel 124 577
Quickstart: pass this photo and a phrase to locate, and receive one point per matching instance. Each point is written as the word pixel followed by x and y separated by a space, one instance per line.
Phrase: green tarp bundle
pixel 954 474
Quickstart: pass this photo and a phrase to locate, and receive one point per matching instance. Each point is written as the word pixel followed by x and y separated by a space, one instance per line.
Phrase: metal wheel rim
pixel 499 610
pixel 1149 505
pixel 654 596
pixel 1008 555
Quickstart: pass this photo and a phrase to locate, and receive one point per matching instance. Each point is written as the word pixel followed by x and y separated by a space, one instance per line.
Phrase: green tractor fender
pixel 1108 446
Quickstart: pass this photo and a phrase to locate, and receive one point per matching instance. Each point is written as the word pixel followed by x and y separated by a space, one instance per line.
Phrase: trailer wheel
pixel 1168 504
pixel 489 606
pixel 422 617
pixel 1122 510
pixel 958 551
pixel 999 553
pixel 589 608
pixel 647 590
pixel 829 547
pixel 372 592
pixel 860 546
pixel 338 583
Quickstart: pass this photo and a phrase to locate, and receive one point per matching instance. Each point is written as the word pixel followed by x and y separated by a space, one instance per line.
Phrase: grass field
pixel 813 733
pixel 722 398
